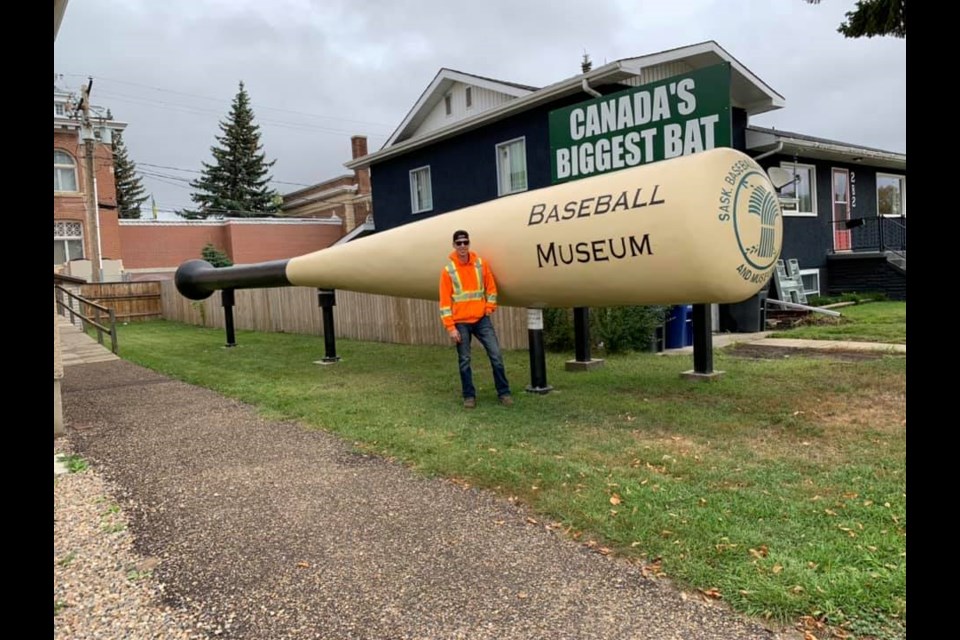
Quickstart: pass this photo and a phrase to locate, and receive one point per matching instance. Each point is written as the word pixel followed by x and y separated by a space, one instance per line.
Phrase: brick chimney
pixel 358 146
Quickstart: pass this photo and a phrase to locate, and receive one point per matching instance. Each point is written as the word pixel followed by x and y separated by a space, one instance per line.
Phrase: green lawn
pixel 867 322
pixel 781 485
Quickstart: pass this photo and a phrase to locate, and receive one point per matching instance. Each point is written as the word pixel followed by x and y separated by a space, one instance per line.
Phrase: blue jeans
pixel 484 332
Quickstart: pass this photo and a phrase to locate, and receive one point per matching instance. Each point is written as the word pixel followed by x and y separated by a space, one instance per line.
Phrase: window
pixel 448 103
pixel 59 109
pixel 811 281
pixel 469 95
pixel 421 193
pixel 67 242
pixel 799 198
pixel 64 172
pixel 891 195
pixel 512 166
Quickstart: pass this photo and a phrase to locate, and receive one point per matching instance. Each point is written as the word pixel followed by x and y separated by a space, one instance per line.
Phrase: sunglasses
pixel 462 243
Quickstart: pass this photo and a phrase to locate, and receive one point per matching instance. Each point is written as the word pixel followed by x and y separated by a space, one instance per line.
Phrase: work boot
pixel 506 401
pixel 469 403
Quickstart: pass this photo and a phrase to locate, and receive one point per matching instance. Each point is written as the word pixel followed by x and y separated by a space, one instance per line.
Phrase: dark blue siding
pixel 809 239
pixel 464 169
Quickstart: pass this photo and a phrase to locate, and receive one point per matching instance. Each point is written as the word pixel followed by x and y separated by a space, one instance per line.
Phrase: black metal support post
pixel 538 360
pixel 702 340
pixel 581 333
pixel 226 297
pixel 581 342
pixel 327 299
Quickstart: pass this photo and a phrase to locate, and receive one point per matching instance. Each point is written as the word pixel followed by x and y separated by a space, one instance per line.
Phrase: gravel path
pixel 249 529
pixel 102 588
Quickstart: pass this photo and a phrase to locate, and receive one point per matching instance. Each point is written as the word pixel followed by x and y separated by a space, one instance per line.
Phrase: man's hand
pixel 454 335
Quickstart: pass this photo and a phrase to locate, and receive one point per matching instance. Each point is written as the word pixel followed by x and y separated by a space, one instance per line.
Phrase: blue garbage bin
pixel 679 326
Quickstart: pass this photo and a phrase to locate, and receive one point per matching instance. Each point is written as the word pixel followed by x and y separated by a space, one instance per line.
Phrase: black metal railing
pixel 89 312
pixel 877 233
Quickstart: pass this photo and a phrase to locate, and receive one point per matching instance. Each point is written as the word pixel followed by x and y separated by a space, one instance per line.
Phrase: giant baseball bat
pixel 703 228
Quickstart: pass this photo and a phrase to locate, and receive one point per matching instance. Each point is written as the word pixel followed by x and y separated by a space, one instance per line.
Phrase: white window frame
pixel 903 193
pixel 810 272
pixel 504 189
pixel 792 167
pixel 62 233
pixel 64 167
pixel 416 206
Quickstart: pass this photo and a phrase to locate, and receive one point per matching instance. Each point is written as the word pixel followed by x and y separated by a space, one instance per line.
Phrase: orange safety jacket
pixel 467 291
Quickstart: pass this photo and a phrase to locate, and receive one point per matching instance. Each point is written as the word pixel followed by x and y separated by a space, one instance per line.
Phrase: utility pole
pixel 93 222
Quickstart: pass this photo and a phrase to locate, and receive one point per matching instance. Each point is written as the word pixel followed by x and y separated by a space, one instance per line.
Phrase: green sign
pixel 673 117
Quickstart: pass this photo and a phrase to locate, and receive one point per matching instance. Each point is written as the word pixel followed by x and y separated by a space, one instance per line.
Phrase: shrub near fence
pixel 356 316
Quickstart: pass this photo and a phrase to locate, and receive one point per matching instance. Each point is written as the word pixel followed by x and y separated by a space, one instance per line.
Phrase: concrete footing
pixel 703 377
pixel 583 365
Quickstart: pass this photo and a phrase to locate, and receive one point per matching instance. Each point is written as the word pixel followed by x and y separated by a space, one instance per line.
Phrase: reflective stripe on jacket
pixel 467 291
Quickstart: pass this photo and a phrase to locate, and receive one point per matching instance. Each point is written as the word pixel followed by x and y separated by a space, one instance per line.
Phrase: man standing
pixel 468 296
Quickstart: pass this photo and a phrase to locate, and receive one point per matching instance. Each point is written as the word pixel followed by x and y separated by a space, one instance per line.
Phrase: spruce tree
pixel 235 185
pixel 130 194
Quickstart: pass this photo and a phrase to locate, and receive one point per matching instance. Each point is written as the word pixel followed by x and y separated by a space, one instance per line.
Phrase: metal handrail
pixel 881 241
pixel 95 320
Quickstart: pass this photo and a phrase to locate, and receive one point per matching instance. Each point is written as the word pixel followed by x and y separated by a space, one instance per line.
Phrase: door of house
pixel 841 210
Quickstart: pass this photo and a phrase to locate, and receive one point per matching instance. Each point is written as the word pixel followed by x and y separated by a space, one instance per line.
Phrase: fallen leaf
pixel 830 512
pixel 521 595
pixel 850 495
pixel 712 593
pixel 809 636
pixel 797 589
pixel 498 522
pixel 604 550
pixel 759 553
pixel 532 521
pixel 777 568
pixel 615 499
pixel 303 565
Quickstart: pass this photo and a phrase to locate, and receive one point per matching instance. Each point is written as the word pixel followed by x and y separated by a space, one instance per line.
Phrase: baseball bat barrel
pixel 703 228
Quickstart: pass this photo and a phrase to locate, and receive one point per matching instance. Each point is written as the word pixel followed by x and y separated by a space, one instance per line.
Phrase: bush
pixel 558 334
pixel 215 257
pixel 612 329
pixel 619 329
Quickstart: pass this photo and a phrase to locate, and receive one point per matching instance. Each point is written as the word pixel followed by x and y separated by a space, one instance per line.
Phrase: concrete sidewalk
pixel 761 338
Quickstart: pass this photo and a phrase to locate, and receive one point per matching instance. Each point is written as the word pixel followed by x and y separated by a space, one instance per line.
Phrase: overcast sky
pixel 319 71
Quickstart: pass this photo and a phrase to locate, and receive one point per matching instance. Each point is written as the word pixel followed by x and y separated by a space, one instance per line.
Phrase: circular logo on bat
pixel 757 220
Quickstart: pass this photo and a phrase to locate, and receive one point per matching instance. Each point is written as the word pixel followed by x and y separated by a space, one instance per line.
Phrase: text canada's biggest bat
pixel 704 228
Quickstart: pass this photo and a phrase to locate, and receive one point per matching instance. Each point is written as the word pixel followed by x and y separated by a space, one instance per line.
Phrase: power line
pixel 160 166
pixel 221 101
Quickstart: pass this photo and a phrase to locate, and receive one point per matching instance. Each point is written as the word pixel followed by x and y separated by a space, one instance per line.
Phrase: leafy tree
pixel 215 257
pixel 130 194
pixel 875 18
pixel 235 185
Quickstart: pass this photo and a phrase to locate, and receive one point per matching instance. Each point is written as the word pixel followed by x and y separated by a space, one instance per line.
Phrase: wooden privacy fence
pixel 130 301
pixel 356 316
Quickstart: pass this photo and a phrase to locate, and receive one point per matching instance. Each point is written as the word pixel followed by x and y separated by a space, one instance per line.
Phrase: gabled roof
pixel 788 143
pixel 439 87
pixel 747 92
